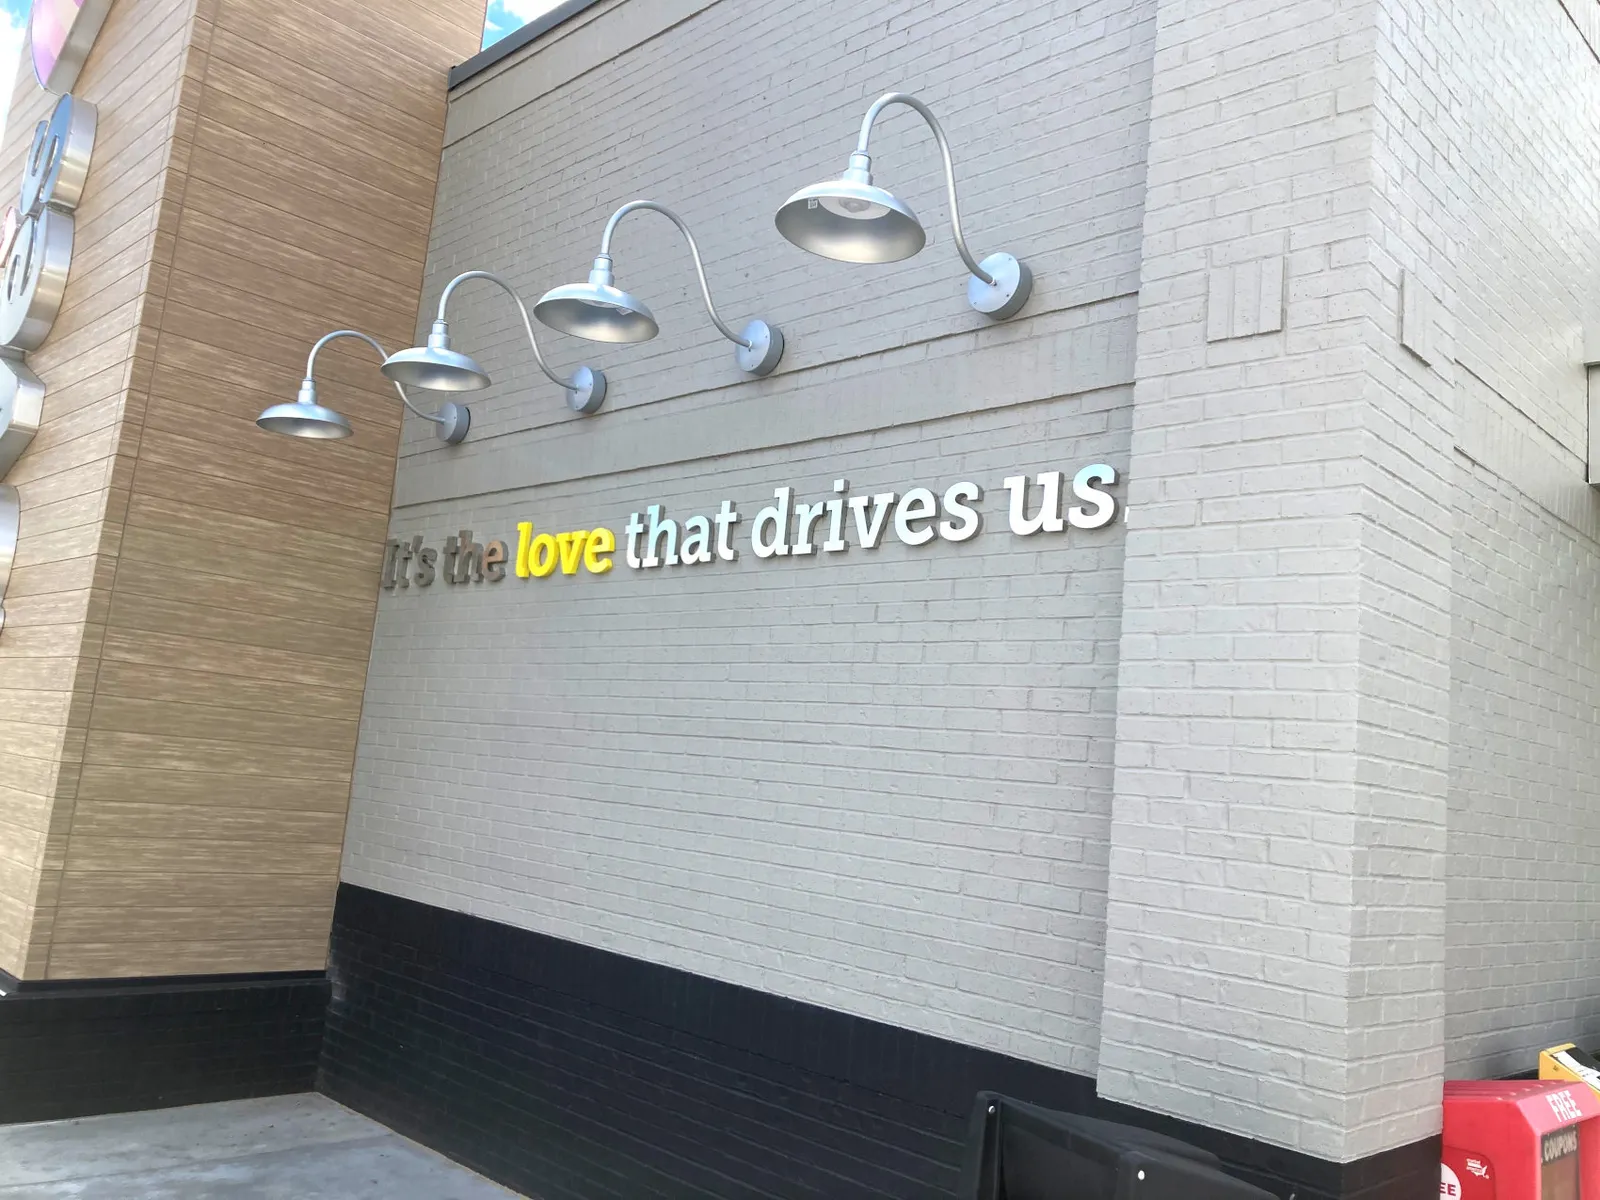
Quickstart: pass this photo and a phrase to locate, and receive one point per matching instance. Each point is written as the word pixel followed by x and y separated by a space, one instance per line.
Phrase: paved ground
pixel 284 1148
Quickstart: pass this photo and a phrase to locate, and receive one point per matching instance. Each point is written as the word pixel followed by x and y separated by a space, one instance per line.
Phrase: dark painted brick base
pixel 89 1048
pixel 572 1073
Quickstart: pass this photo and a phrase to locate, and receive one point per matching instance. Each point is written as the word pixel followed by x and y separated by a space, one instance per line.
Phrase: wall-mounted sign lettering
pixel 38 249
pixel 37 254
pixel 21 408
pixel 61 34
pixel 788 527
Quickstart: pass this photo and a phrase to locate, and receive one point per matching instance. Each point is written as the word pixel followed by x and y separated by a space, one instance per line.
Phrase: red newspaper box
pixel 1520 1140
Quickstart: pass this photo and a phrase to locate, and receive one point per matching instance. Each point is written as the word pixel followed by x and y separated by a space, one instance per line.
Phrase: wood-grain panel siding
pixel 63 480
pixel 221 694
pixel 183 956
pixel 193 600
pixel 143 892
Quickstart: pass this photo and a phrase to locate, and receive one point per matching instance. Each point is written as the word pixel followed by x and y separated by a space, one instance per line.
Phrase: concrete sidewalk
pixel 282 1148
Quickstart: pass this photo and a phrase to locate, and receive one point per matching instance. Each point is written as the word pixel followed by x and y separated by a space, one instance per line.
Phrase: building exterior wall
pixel 1522 882
pixel 879 784
pixel 69 481
pixel 181 675
pixel 1524 889
pixel 1317 276
pixel 1231 940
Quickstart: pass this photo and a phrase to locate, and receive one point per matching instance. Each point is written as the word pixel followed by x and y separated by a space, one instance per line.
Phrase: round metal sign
pixel 21 409
pixel 36 237
pixel 58 160
pixel 33 275
pixel 61 33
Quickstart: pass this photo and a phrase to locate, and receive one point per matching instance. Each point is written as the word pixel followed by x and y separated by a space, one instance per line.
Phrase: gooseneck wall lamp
pixel 852 220
pixel 602 312
pixel 438 368
pixel 306 418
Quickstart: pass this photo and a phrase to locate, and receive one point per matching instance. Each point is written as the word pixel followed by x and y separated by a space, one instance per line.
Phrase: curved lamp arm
pixel 910 101
pixel 311 362
pixel 694 251
pixel 522 308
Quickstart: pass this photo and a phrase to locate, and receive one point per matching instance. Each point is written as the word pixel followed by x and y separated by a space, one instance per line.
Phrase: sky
pixel 505 16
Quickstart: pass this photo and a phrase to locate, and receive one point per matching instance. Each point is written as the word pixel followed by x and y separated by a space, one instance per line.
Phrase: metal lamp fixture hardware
pixel 852 220
pixel 306 418
pixel 602 312
pixel 439 368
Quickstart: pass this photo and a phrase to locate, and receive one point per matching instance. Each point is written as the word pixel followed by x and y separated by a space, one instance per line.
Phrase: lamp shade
pixel 435 368
pixel 851 221
pixel 305 419
pixel 597 311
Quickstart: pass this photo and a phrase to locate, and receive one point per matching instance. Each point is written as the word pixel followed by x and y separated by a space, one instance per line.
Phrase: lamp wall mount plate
pixel 452 422
pixel 762 348
pixel 1003 298
pixel 587 391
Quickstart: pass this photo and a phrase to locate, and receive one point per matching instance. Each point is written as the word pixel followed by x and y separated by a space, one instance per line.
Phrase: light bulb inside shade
pixel 597 311
pixel 435 369
pixel 851 221
pixel 853 208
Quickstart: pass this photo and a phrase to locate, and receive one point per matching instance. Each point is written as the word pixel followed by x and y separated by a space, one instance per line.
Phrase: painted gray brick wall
pixel 1283 685
pixel 878 781
pixel 1523 936
pixel 1353 697
pixel 1524 874
pixel 1345 844
pixel 725 114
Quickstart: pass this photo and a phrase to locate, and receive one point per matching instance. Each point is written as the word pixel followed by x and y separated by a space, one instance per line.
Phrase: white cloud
pixel 13 32
pixel 507 16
